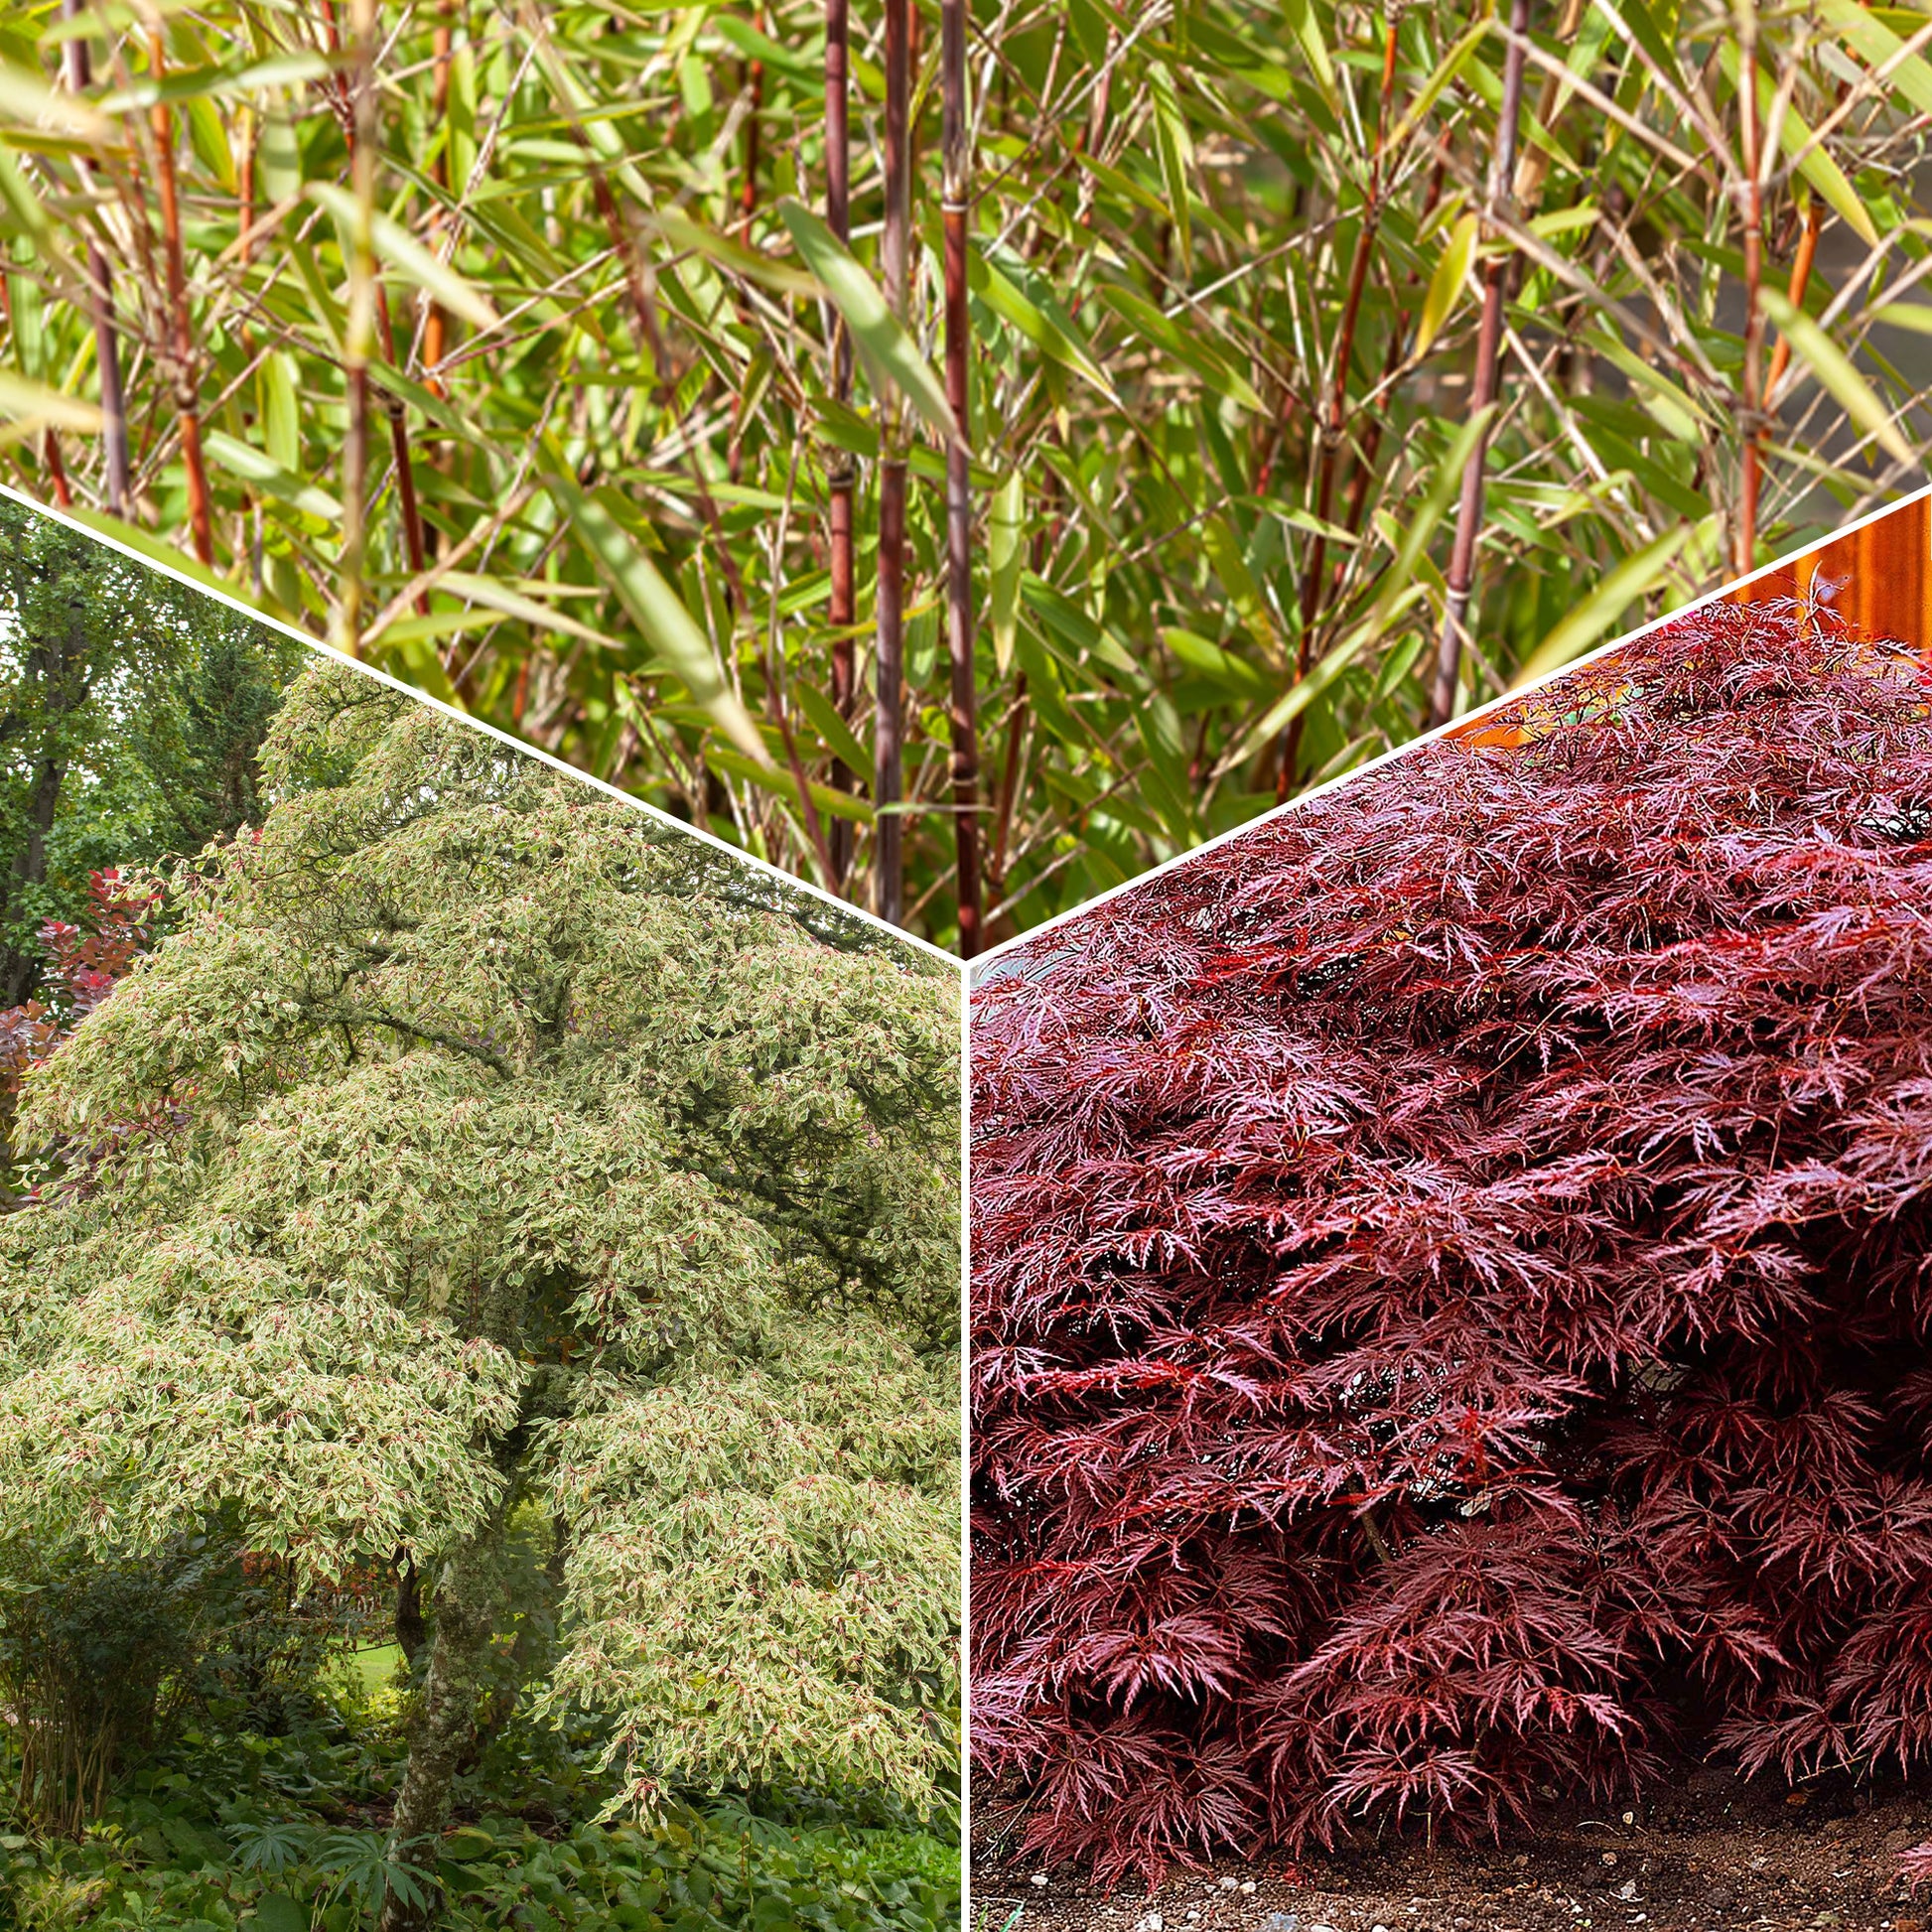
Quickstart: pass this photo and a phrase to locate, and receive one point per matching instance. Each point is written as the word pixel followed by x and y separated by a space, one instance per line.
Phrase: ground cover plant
pixel 575 362
pixel 1453 1323
pixel 474 1212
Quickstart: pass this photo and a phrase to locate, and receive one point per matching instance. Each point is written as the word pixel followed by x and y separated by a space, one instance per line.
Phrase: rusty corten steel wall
pixel 1879 578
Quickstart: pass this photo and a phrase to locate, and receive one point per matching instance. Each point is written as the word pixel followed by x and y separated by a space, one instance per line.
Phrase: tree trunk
pixel 411 1629
pixel 468 1596
pixel 21 966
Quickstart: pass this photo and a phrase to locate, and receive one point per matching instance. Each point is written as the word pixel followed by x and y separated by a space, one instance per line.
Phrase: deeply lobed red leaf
pixel 1453 1298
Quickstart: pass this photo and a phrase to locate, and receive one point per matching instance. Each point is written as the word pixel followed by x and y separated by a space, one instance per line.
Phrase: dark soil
pixel 1709 1856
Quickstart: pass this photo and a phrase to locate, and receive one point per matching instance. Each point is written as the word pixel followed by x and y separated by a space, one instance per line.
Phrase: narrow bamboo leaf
pixel 1915 316
pixel 1445 286
pixel 1445 73
pixel 1875 44
pixel 657 611
pixel 1005 549
pixel 761 46
pixel 27 99
pixel 275 391
pixel 32 405
pixel 1307 29
pixel 1044 324
pixel 508 603
pixel 1320 526
pixel 1834 369
pixel 1676 409
pixel 1236 579
pixel 890 355
pixel 1176 153
pixel 224 82
pixel 1164 333
pixel 775 778
pixel 407 256
pixel 1222 667
pixel 1580 626
pixel 682 232
pixel 18 196
pixel 833 732
pixel 260 469
pixel 1817 167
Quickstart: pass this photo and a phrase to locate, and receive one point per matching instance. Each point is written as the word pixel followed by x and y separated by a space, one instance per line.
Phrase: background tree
pixel 132 711
pixel 1280 316
pixel 1449 1295
pixel 451 1155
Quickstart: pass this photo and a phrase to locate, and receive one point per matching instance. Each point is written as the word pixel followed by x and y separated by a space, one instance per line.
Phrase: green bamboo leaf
pixel 260 469
pixel 1166 334
pixel 890 355
pixel 1875 44
pixel 1445 286
pixel 1307 29
pixel 682 232
pixel 1817 167
pixel 775 778
pixel 1580 626
pixel 657 611
pixel 833 732
pixel 1447 68
pixel 1043 323
pixel 1208 658
pixel 509 602
pixel 1915 316
pixel 1005 549
pixel 29 406
pixel 28 99
pixel 1176 153
pixel 1834 369
pixel 407 256
pixel 275 391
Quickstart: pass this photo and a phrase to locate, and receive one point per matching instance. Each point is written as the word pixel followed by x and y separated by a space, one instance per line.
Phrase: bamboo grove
pixel 964 452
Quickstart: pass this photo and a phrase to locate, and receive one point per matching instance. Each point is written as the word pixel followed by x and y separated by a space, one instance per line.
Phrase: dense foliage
pixel 1226 272
pixel 132 711
pixel 461 1150
pixel 223 1825
pixel 1450 1304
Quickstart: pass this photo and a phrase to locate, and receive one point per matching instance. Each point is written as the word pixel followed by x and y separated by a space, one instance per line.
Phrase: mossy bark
pixel 468 1597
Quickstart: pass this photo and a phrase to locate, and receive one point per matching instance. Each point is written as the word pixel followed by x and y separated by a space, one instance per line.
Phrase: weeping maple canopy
pixel 473 1140
pixel 1451 1302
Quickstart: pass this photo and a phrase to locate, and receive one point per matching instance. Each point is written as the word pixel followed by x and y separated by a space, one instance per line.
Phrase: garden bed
pixel 1706 1852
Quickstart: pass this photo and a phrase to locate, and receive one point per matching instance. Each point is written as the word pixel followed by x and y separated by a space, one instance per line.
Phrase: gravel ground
pixel 1708 1857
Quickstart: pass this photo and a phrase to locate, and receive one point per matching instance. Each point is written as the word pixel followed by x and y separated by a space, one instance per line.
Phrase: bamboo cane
pixel 888 862
pixel 161 123
pixel 842 611
pixel 956 142
pixel 1468 514
pixel 100 305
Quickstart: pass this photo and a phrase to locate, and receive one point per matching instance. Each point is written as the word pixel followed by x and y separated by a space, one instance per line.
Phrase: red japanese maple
pixel 1452 1288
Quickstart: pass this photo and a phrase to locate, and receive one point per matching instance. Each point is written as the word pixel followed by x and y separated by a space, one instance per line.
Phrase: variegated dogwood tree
pixel 471 1140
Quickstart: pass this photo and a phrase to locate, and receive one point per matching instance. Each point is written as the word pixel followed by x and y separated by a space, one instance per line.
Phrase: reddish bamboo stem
pixel 888 667
pixel 955 140
pixel 1800 281
pixel 842 613
pixel 56 470
pixel 1753 213
pixel 100 303
pixel 160 122
pixel 1468 514
pixel 1335 418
